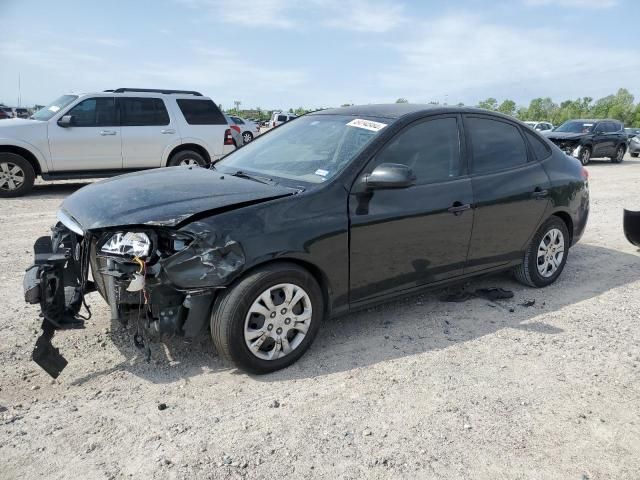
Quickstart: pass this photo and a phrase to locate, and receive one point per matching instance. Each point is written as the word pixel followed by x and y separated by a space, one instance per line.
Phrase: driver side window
pixel 95 112
pixel 431 148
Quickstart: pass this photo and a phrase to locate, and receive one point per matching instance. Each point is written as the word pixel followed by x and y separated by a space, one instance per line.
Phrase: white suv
pixel 108 133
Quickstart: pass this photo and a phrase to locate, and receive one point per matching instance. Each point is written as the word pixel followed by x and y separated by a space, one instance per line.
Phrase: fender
pixel 42 159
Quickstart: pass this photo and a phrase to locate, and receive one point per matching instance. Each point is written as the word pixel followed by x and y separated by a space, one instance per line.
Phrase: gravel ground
pixel 417 388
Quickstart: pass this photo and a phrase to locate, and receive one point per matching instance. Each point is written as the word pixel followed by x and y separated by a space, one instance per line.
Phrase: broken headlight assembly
pixel 129 244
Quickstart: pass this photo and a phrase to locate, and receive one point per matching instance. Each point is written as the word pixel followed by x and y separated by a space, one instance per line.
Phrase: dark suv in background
pixel 587 139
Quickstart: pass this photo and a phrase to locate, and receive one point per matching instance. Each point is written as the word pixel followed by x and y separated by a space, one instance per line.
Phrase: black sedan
pixel 327 214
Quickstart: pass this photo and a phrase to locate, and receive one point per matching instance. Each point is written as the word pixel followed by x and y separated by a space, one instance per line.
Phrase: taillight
pixel 228 139
pixel 585 174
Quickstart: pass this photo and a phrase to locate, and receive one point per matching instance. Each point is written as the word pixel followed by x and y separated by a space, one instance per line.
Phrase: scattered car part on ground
pixel 587 139
pixel 109 133
pixel 328 214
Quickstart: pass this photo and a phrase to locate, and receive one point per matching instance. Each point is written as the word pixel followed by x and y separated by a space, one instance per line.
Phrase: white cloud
pixel 376 16
pixel 596 4
pixel 464 55
pixel 218 72
pixel 251 13
pixel 363 15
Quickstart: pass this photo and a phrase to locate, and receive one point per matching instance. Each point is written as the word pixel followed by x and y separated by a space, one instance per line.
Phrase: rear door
pixel 147 131
pixel 403 238
pixel 92 142
pixel 203 123
pixel 509 192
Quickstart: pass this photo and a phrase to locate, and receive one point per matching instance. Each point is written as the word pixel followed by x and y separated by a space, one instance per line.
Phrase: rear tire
pixel 247 137
pixel 236 321
pixel 16 175
pixel 619 156
pixel 546 255
pixel 186 158
pixel 634 154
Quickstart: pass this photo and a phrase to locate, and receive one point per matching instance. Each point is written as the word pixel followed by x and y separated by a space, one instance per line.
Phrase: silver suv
pixel 109 133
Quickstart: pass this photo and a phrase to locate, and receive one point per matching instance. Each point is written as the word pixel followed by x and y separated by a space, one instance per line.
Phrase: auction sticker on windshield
pixel 366 124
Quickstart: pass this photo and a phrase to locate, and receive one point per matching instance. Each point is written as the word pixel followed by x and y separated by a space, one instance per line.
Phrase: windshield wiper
pixel 255 178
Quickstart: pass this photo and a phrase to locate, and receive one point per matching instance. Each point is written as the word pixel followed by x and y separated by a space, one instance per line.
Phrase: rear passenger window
pixel 201 112
pixel 95 112
pixel 540 149
pixel 431 149
pixel 137 112
pixel 282 118
pixel 495 145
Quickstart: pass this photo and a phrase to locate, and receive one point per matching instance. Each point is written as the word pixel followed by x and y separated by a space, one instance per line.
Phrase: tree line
pixel 620 106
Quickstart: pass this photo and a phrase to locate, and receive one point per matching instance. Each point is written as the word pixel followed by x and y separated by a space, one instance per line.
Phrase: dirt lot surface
pixel 418 388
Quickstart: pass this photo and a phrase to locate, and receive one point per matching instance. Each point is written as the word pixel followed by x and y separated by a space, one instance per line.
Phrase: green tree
pixel 402 100
pixel 541 109
pixel 489 104
pixel 508 107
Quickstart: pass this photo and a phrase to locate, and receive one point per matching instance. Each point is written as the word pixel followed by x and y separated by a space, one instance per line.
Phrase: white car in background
pixel 540 126
pixel 108 133
pixel 248 129
pixel 278 118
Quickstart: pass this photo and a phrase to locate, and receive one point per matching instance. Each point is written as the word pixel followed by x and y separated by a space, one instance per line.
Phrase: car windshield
pixel 54 107
pixel 575 127
pixel 310 149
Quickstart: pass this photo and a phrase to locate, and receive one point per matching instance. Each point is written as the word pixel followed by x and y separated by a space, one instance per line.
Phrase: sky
pixel 321 53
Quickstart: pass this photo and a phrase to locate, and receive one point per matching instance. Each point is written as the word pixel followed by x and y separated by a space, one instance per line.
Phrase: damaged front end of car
pixel 160 280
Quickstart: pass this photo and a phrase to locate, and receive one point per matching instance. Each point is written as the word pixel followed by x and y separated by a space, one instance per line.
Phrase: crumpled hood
pixel 565 136
pixel 164 196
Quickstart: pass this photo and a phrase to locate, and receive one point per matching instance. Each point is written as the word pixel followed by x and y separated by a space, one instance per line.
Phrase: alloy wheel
pixel 277 321
pixel 550 252
pixel 189 162
pixel 247 137
pixel 12 176
pixel 585 156
pixel 619 154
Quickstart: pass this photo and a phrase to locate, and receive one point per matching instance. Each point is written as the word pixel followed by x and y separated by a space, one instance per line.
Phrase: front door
pixel 509 192
pixel 403 238
pixel 93 140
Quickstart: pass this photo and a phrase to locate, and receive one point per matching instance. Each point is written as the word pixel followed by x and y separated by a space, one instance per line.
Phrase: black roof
pixel 397 110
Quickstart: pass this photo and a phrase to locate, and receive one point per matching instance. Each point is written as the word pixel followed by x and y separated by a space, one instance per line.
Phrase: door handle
pixel 168 131
pixel 458 207
pixel 107 132
pixel 539 193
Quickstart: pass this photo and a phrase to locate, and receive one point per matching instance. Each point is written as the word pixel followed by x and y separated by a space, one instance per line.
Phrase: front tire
pixel 16 175
pixel 546 255
pixel 186 158
pixel 585 156
pixel 619 156
pixel 268 319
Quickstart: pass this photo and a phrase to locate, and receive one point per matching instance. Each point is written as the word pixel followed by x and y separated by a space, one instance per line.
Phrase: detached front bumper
pixel 57 282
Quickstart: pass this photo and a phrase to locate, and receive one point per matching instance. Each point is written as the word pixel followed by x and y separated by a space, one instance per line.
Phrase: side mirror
pixel 389 175
pixel 66 121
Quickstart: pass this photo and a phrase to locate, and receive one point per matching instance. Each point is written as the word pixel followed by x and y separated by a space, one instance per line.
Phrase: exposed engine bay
pixel 160 281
